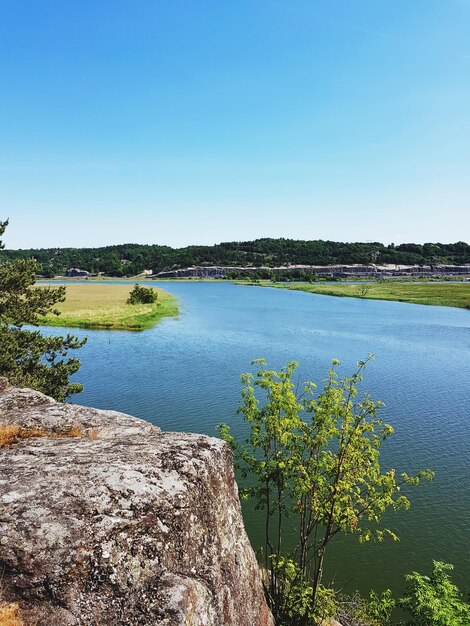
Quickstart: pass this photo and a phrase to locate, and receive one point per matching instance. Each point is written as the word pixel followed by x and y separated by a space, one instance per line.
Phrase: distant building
pixel 75 272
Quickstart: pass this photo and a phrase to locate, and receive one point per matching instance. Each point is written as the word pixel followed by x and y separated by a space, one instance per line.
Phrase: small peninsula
pixel 105 307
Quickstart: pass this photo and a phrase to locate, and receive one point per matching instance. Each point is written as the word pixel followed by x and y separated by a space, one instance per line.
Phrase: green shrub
pixel 290 595
pixel 434 600
pixel 142 295
pixel 428 600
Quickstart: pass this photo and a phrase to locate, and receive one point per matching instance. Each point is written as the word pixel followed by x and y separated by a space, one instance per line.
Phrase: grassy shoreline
pixel 104 307
pixel 433 294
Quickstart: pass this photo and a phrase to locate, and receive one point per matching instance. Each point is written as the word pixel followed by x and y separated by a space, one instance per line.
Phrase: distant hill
pixel 132 259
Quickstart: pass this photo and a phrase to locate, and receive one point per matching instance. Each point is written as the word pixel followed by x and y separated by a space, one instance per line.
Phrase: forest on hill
pixel 132 259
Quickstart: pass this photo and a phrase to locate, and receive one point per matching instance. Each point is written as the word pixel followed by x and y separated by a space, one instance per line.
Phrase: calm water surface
pixel 184 375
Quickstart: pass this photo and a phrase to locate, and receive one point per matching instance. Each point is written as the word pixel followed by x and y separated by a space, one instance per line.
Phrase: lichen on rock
pixel 132 526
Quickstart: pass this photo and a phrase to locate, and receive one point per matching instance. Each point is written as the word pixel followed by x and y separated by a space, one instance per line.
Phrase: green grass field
pixel 438 294
pixel 104 307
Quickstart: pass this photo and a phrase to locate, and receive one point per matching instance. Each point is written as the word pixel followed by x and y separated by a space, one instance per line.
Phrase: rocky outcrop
pixel 339 271
pixel 122 524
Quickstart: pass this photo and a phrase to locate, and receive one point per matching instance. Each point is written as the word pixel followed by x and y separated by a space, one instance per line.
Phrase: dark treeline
pixel 132 259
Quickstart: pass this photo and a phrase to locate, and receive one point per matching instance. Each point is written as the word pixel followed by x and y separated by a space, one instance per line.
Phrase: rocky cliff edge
pixel 106 520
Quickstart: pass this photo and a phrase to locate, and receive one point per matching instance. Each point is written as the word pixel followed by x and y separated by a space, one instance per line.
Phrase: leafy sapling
pixel 315 457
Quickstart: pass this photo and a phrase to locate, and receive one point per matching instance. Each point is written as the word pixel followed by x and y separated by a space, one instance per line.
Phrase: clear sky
pixel 194 121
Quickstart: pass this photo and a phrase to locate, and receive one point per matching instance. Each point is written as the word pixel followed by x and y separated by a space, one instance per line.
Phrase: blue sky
pixel 204 121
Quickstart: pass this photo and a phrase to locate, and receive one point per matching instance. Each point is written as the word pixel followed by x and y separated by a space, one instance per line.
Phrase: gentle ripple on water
pixel 184 375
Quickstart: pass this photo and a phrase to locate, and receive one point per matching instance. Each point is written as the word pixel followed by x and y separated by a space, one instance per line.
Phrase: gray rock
pixel 130 526
pixel 342 271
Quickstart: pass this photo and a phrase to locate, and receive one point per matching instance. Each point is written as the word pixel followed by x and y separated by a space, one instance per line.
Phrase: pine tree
pixel 28 358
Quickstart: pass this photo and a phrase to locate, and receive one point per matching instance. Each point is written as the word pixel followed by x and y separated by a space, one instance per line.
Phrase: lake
pixel 183 375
